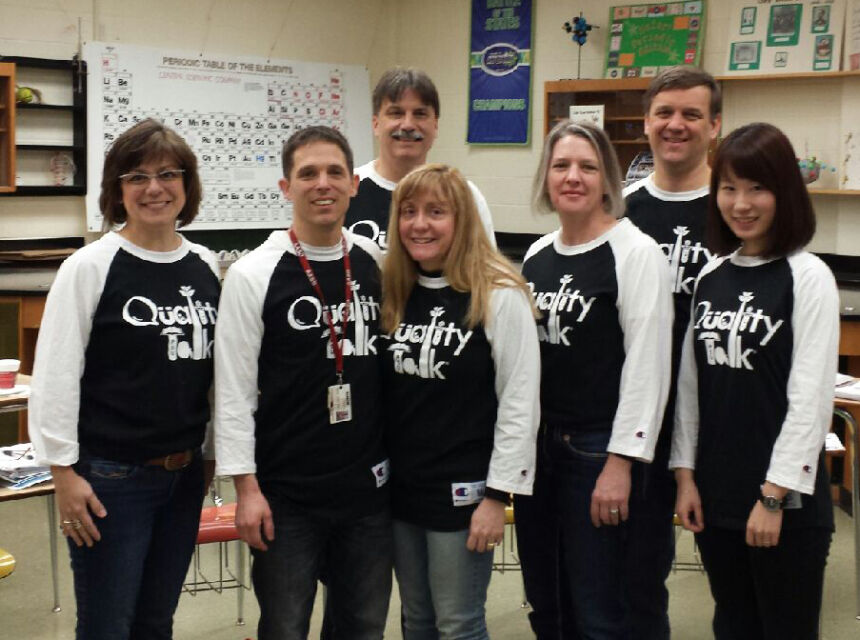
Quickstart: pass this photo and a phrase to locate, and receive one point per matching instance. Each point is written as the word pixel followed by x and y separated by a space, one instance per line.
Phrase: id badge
pixel 339 403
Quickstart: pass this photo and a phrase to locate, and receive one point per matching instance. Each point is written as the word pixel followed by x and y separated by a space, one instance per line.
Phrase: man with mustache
pixel 405 123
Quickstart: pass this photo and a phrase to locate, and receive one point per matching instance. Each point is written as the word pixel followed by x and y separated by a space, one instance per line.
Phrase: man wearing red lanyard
pixel 297 421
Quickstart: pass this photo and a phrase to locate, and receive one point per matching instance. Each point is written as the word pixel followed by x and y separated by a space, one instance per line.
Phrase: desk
pixel 849 411
pixel 45 489
pixel 19 403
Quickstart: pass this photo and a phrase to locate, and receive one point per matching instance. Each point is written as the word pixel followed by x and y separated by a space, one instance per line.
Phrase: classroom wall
pixel 432 35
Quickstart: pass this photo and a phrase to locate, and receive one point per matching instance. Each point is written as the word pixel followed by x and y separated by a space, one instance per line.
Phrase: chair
pixel 218 525
pixel 685 565
pixel 505 556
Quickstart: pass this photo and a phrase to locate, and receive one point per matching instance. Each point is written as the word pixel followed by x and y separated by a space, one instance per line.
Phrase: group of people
pixel 385 380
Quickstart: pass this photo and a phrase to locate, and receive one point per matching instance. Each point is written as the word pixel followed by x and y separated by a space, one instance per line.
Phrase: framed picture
pixel 784 27
pixel 745 55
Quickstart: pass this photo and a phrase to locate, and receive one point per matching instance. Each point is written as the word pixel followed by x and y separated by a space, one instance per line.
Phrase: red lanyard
pixel 309 272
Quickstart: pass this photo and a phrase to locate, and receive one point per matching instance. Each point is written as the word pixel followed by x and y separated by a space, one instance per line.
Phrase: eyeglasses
pixel 139 179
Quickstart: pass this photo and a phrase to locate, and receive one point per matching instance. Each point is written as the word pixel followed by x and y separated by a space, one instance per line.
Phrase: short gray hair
pixel 613 202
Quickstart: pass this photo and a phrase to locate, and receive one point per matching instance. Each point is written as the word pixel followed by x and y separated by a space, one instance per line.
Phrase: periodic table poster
pixel 645 38
pixel 235 112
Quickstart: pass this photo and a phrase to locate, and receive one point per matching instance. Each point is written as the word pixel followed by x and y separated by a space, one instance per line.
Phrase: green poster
pixel 821 18
pixel 745 56
pixel 645 38
pixel 747 20
pixel 784 27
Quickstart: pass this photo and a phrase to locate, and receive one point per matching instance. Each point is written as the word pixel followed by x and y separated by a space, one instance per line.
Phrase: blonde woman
pixel 461 365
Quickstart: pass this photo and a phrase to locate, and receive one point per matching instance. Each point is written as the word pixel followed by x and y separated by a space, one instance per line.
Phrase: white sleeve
pixel 237 348
pixel 645 313
pixel 484 212
pixel 513 339
pixel 64 334
pixel 685 432
pixel 815 328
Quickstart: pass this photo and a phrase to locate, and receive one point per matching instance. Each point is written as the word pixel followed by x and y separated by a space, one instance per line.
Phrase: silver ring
pixel 613 512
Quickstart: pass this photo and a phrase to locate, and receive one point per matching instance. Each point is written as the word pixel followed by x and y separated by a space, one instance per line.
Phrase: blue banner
pixel 501 72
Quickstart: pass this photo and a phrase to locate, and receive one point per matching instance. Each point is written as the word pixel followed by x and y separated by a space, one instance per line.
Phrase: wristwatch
pixel 771 503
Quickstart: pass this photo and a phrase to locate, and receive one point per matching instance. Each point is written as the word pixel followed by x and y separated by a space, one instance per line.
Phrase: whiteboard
pixel 235 113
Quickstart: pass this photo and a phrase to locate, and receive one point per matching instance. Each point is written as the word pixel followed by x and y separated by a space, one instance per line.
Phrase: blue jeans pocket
pixel 588 446
pixel 102 469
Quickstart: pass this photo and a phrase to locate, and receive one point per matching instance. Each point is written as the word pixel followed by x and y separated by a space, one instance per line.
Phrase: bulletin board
pixel 645 38
pixel 235 113
pixel 785 37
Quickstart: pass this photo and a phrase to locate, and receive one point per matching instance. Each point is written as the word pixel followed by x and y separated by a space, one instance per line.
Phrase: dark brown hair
pixel 760 152
pixel 308 135
pixel 684 77
pixel 395 81
pixel 146 141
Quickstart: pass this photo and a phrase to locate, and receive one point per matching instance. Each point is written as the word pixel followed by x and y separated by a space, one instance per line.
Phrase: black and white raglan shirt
pixel 124 359
pixel 369 210
pixel 676 221
pixel 274 366
pixel 463 404
pixel 755 392
pixel 604 335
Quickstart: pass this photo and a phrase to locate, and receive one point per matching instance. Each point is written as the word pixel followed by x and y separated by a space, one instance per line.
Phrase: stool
pixel 218 525
pixel 7 563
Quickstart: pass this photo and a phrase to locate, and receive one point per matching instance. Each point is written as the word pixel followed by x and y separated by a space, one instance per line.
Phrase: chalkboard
pixel 235 113
pixel 645 38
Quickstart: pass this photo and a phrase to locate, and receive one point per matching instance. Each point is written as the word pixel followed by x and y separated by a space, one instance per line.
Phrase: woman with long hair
pixel 603 289
pixel 461 365
pixel 119 405
pixel 755 396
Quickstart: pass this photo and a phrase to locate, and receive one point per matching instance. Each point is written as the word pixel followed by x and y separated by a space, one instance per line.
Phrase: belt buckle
pixel 184 459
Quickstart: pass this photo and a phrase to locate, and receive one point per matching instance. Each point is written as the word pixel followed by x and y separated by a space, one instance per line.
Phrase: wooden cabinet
pixel 7 127
pixel 623 117
pixel 26 312
pixel 52 131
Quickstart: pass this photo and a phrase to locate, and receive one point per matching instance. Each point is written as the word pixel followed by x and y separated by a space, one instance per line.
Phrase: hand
pixel 688 504
pixel 76 501
pixel 208 474
pixel 487 526
pixel 253 515
pixel 611 495
pixel 763 526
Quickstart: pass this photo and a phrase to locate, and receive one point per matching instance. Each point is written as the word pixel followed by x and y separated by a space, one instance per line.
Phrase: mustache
pixel 407 135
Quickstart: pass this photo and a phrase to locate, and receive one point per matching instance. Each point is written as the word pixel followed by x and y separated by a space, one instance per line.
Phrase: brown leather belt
pixel 173 461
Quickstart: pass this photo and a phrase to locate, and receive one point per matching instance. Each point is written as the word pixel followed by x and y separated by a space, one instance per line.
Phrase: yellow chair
pixel 7 563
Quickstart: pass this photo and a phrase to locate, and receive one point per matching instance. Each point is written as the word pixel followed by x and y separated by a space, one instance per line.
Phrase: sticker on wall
pixel 780 59
pixel 747 20
pixel 784 27
pixel 821 18
pixel 745 56
pixel 823 52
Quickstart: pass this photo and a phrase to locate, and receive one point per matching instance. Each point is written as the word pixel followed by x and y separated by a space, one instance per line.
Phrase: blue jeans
pixel 574 572
pixel 128 584
pixel 357 556
pixel 651 548
pixel 443 585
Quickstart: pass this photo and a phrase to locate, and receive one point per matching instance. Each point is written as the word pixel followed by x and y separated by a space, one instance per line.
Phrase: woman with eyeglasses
pixel 119 405
pixel 755 396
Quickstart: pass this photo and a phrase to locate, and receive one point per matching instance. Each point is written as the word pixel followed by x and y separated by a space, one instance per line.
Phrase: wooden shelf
pixel 49 147
pixel 806 75
pixel 44 107
pixel 834 192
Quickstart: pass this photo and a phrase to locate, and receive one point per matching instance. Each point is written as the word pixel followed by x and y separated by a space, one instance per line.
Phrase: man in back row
pixel 682 118
pixel 405 124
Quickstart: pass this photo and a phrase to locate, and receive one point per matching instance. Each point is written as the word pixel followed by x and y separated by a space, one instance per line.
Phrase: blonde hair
pixel 472 264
